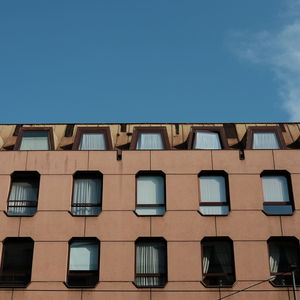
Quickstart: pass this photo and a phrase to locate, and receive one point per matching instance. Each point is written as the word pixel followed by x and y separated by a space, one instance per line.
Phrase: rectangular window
pixel 92 138
pixel 35 140
pixel 83 262
pixel 214 194
pixel 16 262
pixel 150 194
pixel 149 141
pixel 284 259
pixel 207 140
pixel 151 262
pixel 278 199
pixel 217 262
pixel 265 140
pixel 23 196
pixel 87 193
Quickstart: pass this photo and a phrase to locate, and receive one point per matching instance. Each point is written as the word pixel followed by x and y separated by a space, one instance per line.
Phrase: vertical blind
pixel 22 192
pixel 213 189
pixel 265 140
pixel 35 140
pixel 87 192
pixel 150 260
pixel 275 189
pixel 92 141
pixel 207 140
pixel 149 141
pixel 84 256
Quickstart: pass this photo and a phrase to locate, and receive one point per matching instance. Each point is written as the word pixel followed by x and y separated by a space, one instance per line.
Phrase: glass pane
pixel 275 189
pixel 92 141
pixel 83 256
pixel 150 190
pixel 221 210
pixel 207 140
pixel 265 140
pixel 278 209
pixel 150 141
pixel 212 189
pixel 35 140
pixel 150 211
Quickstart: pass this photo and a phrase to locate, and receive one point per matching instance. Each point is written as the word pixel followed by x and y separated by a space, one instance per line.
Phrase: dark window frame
pixel 23 129
pixel 265 129
pixel 216 129
pixel 83 274
pixel 147 129
pixel 101 130
pixel 204 276
pixel 283 240
pixel 87 175
pixel 22 176
pixel 164 275
pixel 213 173
pixel 150 173
pixel 287 175
pixel 27 273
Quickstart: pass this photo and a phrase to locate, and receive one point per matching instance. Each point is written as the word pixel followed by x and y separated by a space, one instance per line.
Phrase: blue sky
pixel 149 61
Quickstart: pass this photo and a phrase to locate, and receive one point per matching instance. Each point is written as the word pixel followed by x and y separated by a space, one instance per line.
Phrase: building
pixel 149 211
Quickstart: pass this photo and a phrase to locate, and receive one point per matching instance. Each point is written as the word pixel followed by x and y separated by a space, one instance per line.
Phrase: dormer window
pixel 35 138
pixel 207 138
pixel 149 138
pixel 265 138
pixel 92 138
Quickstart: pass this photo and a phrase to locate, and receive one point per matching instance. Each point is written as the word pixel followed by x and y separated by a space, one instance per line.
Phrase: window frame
pixel 216 129
pixel 218 239
pixel 150 173
pixel 147 129
pixel 154 240
pixel 23 129
pixel 83 273
pixel 34 175
pixel 265 129
pixel 13 284
pixel 283 240
pixel 291 202
pixel 87 175
pixel 101 130
pixel 213 173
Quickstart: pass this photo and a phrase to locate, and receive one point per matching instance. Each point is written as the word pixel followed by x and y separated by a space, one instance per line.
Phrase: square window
pixel 35 140
pixel 92 138
pixel 150 194
pixel 151 262
pixel 23 196
pixel 16 262
pixel 87 193
pixel 149 138
pixel 207 140
pixel 278 199
pixel 265 140
pixel 217 262
pixel 214 194
pixel 83 270
pixel 284 258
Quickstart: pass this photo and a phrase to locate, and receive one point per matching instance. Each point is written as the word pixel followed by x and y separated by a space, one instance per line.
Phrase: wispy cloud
pixel 280 51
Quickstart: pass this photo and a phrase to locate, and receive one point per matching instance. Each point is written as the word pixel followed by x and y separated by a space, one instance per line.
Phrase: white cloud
pixel 281 52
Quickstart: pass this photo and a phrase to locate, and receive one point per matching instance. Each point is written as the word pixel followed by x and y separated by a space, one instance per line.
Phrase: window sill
pixel 217 286
pixel 80 286
pixel 149 287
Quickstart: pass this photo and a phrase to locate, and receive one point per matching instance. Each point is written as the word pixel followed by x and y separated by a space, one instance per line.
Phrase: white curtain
pixel 275 189
pixel 265 140
pixel 22 192
pixel 150 190
pixel 92 141
pixel 150 259
pixel 207 140
pixel 150 141
pixel 34 140
pixel 213 189
pixel 83 256
pixel 274 257
pixel 86 191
